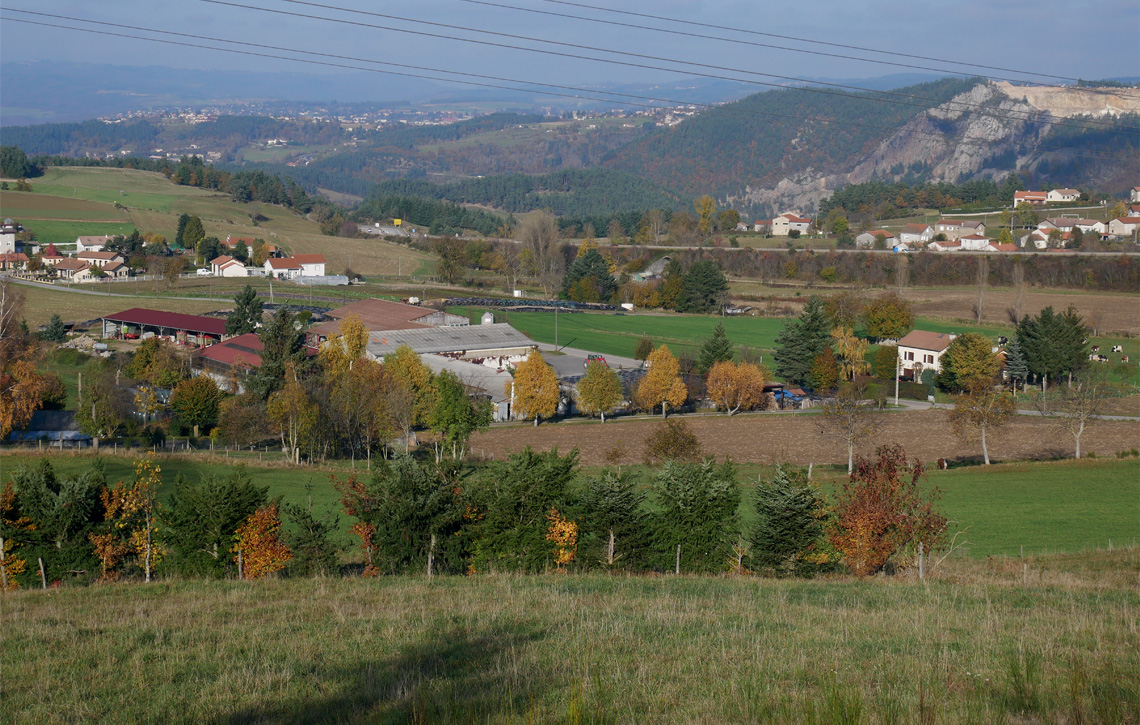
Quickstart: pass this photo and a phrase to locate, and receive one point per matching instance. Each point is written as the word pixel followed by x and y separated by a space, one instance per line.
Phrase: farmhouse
pixel 955 228
pixel 787 223
pixel 226 266
pixel 378 315
pixel 921 350
pixel 300 265
pixel 975 243
pixel 1089 226
pixel 177 327
pixel 91 244
pixel 1124 226
pixel 13 260
pixel 51 256
pixel 116 270
pixel 916 233
pixel 944 246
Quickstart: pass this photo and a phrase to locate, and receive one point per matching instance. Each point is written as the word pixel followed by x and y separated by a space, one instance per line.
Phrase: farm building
pixel 472 342
pixel 183 329
pixel 377 314
pixel 58 428
pixel 219 360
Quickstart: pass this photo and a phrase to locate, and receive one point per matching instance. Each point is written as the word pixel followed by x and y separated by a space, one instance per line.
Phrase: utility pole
pixel 898 364
pixel 556 328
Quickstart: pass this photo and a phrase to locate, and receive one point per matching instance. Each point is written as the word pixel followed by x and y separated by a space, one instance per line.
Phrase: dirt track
pixel 797 439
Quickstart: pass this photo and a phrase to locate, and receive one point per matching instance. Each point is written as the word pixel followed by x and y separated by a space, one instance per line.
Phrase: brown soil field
pixel 1106 313
pixel 769 439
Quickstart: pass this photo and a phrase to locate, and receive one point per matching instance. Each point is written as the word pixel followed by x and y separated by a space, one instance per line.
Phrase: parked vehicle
pixel 203 272
pixel 595 357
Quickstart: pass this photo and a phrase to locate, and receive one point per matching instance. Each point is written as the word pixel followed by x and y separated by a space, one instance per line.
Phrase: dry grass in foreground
pixel 1050 639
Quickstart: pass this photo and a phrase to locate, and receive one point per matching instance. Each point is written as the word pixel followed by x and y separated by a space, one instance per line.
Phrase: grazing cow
pixel 1118 348
pixel 1003 340
pixel 943 464
pixel 1124 359
pixel 1102 358
pixel 1095 348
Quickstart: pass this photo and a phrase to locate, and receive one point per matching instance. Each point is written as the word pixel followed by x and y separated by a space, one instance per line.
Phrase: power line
pixel 809 40
pixel 582 94
pixel 1030 115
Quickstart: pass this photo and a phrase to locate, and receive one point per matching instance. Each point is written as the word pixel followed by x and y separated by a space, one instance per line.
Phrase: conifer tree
pixel 613 525
pixel 1015 364
pixel 695 510
pixel 201 519
pixel 801 340
pixel 788 521
pixel 55 330
pixel 714 349
pixel 246 315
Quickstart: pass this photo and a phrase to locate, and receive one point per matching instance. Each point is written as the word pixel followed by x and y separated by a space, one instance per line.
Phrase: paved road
pixel 75 289
pixel 573 360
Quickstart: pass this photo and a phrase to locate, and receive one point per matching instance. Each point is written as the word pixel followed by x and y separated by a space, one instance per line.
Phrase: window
pixel 909 356
pixel 928 359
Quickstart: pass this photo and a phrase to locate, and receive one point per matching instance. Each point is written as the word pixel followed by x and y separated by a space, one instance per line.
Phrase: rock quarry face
pixel 955 140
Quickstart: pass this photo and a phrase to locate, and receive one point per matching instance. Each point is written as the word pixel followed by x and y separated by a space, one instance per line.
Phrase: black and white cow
pixel 1118 348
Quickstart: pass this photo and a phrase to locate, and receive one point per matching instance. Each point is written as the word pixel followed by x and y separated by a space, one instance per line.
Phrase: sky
pixel 1021 36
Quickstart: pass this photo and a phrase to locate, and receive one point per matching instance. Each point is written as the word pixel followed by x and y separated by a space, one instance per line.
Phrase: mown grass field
pixel 25 205
pixel 1034 640
pixel 1038 508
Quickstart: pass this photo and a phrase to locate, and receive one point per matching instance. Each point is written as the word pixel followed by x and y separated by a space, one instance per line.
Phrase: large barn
pixel 174 326
pixel 377 314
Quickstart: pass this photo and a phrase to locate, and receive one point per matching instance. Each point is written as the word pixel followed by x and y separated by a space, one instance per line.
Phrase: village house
pixel 1062 223
pixel 226 266
pixel 73 269
pixel 51 256
pixel 1124 226
pixel 286 268
pixel 101 259
pixel 867 240
pixel 312 265
pixel 116 270
pixel 1038 239
pixel 974 243
pixel 1089 226
pixel 916 233
pixel 8 232
pixel 11 261
pixel 761 225
pixel 922 350
pixel 1062 195
pixel 91 244
pixel 956 228
pixel 787 223
pixel 946 246
pixel 1134 195
pixel 1036 198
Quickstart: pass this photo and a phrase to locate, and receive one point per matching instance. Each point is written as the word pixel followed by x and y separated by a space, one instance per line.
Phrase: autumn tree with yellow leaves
pixel 662 384
pixel 852 353
pixel 600 390
pixel 292 414
pixel 534 390
pixel 131 515
pixel 735 386
pixel 259 550
pixel 340 352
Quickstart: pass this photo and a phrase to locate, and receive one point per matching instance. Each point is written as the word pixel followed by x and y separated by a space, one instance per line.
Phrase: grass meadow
pixel 40 303
pixel 1033 640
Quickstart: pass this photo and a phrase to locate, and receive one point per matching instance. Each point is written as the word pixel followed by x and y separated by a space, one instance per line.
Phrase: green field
pixel 24 205
pixel 65 232
pixel 1004 641
pixel 1041 507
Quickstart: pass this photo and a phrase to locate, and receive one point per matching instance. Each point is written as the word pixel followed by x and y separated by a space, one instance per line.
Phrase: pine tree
pixel 801 340
pixel 200 521
pixel 788 521
pixel 590 266
pixel 282 344
pixel 714 349
pixel 702 288
pixel 193 233
pixel 246 315
pixel 311 540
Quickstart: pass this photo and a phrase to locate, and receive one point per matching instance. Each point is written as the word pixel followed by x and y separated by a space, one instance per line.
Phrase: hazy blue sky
pixel 1036 36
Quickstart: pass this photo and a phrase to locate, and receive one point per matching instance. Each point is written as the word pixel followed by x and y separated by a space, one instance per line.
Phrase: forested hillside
pixel 764 138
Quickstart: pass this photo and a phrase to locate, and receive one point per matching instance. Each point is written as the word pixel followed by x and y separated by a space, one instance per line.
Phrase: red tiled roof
pixel 1128 219
pixel 973 237
pixel 916 228
pixel 98 255
pixel 1004 247
pixel 170 320
pixel 926 340
pixel 221 260
pixel 13 257
pixel 287 263
pixel 71 263
pixel 795 219
pixel 113 266
pixel 243 349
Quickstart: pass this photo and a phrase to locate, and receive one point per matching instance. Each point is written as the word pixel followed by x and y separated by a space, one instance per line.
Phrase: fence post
pixel 921 568
pixel 677 566
pixel 240 568
pixel 3 568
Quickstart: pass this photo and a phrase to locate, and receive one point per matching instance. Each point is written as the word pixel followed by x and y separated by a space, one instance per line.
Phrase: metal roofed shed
pixel 328 280
pixel 186 329
pixel 378 314
pixel 499 339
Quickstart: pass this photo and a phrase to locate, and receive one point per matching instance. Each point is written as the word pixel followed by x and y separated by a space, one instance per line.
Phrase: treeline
pixel 437 217
pixel 579 193
pixel 409 136
pixel 753 138
pixel 885 200
pixel 1117 274
pixel 526 514
pixel 75 138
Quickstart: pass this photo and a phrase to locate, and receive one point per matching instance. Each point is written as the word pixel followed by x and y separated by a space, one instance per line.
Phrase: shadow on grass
pixel 456 676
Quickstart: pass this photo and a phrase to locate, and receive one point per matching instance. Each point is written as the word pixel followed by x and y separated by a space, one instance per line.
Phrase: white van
pixel 204 272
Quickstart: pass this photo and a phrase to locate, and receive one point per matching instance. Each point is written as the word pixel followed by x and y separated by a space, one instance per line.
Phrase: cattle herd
pixel 1095 356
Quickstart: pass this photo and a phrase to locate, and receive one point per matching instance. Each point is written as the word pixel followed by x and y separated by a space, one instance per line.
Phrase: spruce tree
pixel 702 288
pixel 55 330
pixel 714 349
pixel 590 266
pixel 801 341
pixel 283 344
pixel 201 519
pixel 246 313
pixel 1015 365
pixel 695 509
pixel 193 233
pixel 614 529
pixel 311 540
pixel 787 522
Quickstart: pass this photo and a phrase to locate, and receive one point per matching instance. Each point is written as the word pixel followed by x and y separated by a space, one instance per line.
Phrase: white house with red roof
pixel 13 261
pixel 955 228
pixel 922 350
pixel 761 225
pixel 1037 238
pixel 975 243
pixel 226 266
pixel 101 259
pixel 786 223
pixel 286 268
pixel 51 256
pixel 1062 195
pixel 945 246
pixel 867 240
pixel 91 244
pixel 73 269
pixel 1035 198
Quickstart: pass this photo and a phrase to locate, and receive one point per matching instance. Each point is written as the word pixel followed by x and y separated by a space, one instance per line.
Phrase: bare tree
pixel 512 262
pixel 656 220
pixel 539 236
pixel 850 419
pixel 1081 404
pixel 982 276
pixel 902 272
pixel 980 410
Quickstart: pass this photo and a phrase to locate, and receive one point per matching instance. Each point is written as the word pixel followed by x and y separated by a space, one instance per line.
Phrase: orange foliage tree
pixel 11 565
pixel 881 510
pixel 131 512
pixel 259 550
